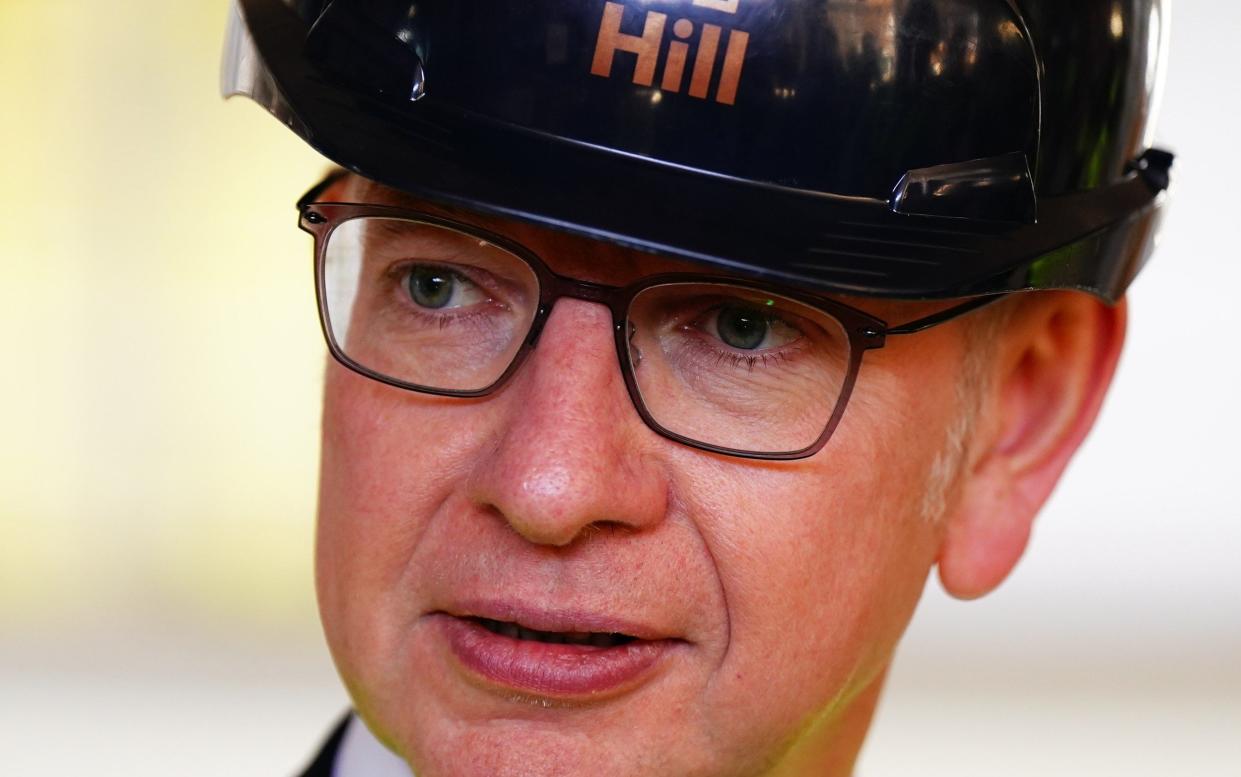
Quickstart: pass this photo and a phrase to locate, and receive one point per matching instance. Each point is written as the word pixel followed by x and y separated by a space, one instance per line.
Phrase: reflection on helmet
pixel 917 148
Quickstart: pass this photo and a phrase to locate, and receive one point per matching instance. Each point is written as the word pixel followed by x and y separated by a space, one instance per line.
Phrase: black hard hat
pixel 909 148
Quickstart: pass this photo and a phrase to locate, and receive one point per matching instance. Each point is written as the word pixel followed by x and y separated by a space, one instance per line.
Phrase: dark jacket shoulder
pixel 322 765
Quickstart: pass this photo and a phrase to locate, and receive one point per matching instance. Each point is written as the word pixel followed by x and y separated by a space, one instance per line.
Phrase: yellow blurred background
pixel 158 443
pixel 158 400
pixel 162 363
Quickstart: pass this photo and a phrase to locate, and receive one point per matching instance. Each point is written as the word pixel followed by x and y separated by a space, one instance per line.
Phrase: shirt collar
pixel 362 755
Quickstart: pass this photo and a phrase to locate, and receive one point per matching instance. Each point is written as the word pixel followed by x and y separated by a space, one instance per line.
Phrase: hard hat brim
pixel 1095 241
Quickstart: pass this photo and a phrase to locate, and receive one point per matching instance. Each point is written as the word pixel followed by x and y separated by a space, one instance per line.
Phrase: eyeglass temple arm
pixel 926 322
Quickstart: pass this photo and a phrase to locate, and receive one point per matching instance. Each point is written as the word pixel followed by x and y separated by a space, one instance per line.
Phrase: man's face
pixel 767 596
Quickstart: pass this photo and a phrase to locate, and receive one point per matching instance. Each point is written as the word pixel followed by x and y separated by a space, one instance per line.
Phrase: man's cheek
pixel 827 548
pixel 387 452
pixel 375 492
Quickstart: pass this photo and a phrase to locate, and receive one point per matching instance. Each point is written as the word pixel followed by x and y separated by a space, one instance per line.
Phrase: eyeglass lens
pixel 718 363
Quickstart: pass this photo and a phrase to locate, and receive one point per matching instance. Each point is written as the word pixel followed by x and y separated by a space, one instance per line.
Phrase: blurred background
pixel 159 402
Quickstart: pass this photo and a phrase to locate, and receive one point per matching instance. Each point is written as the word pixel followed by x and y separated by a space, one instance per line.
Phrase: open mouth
pixel 591 638
pixel 563 660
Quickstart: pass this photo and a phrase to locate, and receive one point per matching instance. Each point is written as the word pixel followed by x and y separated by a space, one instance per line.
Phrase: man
pixel 600 285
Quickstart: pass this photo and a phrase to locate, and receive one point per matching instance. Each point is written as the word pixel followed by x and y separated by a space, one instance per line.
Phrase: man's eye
pixel 437 288
pixel 748 329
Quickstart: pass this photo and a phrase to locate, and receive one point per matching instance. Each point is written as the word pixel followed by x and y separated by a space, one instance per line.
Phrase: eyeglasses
pixel 735 367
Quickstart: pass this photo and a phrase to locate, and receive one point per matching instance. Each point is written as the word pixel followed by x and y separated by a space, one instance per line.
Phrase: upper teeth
pixel 515 631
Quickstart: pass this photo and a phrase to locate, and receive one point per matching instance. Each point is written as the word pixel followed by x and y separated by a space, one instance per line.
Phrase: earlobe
pixel 1053 365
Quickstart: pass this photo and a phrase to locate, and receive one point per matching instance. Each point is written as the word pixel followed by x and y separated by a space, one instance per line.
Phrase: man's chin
pixel 504 748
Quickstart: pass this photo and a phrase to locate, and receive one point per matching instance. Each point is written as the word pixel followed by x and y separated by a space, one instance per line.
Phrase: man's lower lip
pixel 549 669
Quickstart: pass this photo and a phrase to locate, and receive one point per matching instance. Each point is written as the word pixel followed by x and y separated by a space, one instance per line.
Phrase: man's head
pixel 655 400
pixel 769 596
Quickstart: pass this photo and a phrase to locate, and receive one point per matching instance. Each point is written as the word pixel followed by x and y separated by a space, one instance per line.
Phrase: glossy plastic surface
pixel 814 80
pixel 918 148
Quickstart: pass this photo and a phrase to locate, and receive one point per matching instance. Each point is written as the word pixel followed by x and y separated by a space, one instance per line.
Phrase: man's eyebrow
pixel 438 239
pixel 374 192
pixel 388 227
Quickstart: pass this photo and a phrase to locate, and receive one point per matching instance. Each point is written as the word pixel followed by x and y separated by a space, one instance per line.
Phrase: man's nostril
pixel 609 528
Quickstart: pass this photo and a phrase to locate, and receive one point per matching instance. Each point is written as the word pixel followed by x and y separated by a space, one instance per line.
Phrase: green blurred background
pixel 158 442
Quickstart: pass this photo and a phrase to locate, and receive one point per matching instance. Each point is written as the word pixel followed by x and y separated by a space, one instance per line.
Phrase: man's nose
pixel 571 452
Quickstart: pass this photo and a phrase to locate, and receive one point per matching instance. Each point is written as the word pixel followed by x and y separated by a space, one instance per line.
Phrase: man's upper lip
pixel 556 619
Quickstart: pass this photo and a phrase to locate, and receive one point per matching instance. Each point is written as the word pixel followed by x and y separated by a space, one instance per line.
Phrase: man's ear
pixel 1053 363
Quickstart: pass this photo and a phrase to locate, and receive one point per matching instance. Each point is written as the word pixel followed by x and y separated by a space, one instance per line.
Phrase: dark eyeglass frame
pixel 864 331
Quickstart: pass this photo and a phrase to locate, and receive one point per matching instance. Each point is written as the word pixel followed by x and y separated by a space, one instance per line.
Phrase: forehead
pixel 567 254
